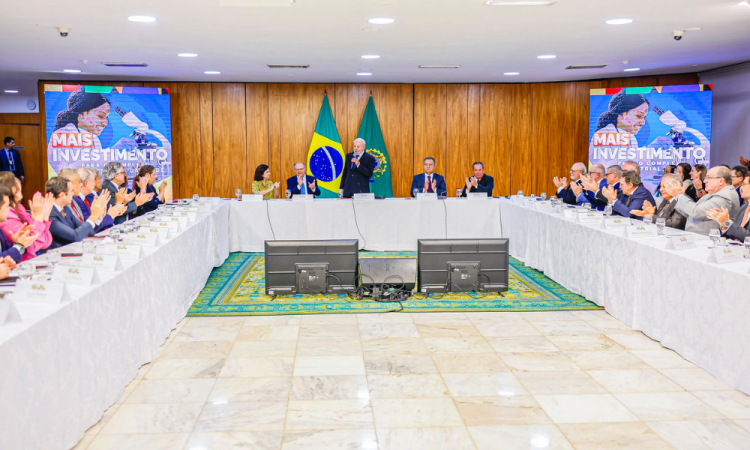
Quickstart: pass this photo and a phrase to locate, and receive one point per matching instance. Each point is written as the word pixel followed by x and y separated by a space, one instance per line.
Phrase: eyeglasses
pixel 713 178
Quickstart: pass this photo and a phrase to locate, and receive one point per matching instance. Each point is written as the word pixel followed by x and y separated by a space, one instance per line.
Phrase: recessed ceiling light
pixel 211 72
pixel 72 71
pixel 10 91
pixel 370 56
pixel 142 19
pixel 520 2
pixel 187 55
pixel 633 69
pixel 618 21
pixel 546 57
pixel 381 21
pixel 511 73
pixel 364 74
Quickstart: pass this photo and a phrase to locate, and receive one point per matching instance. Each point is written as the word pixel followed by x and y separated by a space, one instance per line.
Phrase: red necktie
pixel 62 211
pixel 86 201
pixel 80 219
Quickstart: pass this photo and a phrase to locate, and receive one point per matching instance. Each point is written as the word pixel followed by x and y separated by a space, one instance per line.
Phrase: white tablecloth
pixel 380 225
pixel 66 364
pixel 699 309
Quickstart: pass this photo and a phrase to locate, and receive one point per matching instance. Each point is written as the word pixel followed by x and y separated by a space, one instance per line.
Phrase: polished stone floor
pixel 554 380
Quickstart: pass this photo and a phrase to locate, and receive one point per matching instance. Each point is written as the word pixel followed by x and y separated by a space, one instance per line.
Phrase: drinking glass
pixel 53 257
pixel 544 196
pixel 115 234
pixel 150 216
pixel 196 197
pixel 341 193
pixel 415 192
pixel 607 210
pixel 25 270
pixel 747 246
pixel 238 193
pixel 287 193
pixel 648 219
pixel 714 235
pixel 460 191
pixel 660 224
pixel 88 246
pixel 519 193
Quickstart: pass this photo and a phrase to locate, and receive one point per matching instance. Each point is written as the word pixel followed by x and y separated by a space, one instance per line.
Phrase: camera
pixel 63 31
pixel 677 34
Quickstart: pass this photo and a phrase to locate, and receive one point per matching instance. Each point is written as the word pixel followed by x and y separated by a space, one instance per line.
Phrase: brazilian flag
pixel 325 159
pixel 369 130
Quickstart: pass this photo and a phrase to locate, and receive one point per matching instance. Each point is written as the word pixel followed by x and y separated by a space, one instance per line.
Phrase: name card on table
pixel 303 198
pixel 40 292
pixel 144 239
pixel 193 209
pixel 639 231
pixel 590 217
pixel 570 213
pixel 252 198
pixel 173 227
pixel 367 196
pixel 616 222
pixel 163 232
pixel 211 200
pixel 126 251
pixel 529 203
pixel 726 254
pixel 681 242
pixel 189 215
pixel 107 263
pixel 545 205
pixel 77 275
pixel 8 313
pixel 204 206
pixel 427 196
pixel 476 196
pixel 518 199
pixel 183 221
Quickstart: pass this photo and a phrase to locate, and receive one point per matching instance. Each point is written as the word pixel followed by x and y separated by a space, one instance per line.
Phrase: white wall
pixel 730 130
pixel 17 103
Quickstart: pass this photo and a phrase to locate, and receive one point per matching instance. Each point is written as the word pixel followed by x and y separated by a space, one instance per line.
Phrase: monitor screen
pixel 436 256
pixel 283 257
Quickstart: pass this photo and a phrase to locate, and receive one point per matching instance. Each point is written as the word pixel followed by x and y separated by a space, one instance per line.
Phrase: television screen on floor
pixel 462 265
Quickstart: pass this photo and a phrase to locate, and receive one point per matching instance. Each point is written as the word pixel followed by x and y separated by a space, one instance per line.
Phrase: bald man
pixel 564 191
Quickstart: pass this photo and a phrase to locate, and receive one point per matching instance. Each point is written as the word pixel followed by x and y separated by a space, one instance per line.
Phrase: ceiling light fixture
pixel 381 21
pixel 364 74
pixel 212 72
pixel 10 91
pixel 511 73
pixel 72 71
pixel 370 56
pixel 187 55
pixel 546 57
pixel 142 19
pixel 520 3
pixel 632 69
pixel 618 21
pixel 743 4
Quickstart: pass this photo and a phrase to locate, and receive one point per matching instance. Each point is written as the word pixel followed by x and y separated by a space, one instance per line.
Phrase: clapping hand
pixel 647 208
pixel 609 193
pixel 10 262
pixel 588 183
pixel 560 182
pixel 720 215
pixel 426 186
pixel 577 189
pixel 434 185
pixel 120 195
pixel 36 206
pixel 4 270
pixel 674 188
pixel 143 197
pixel 468 184
pixel 23 236
pixel 98 207
pixel 698 183
pixel 300 180
pixel 474 181
pixel 312 186
pixel 116 210
pixel 142 184
pixel 163 186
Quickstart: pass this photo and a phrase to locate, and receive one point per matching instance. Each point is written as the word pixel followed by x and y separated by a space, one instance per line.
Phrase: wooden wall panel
pixel 257 130
pixel 230 145
pixel 521 137
pixel 398 132
pixel 27 136
pixel 457 137
pixel 494 134
pixel 21 119
pixel 207 140
pixel 430 127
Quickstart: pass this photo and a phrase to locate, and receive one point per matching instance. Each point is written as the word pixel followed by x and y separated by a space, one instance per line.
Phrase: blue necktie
pixel 302 190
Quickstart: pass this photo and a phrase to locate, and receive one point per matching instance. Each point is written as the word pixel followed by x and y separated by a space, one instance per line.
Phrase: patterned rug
pixel 238 288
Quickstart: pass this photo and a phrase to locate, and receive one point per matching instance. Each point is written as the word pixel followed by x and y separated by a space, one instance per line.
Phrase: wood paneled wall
pixel 523 133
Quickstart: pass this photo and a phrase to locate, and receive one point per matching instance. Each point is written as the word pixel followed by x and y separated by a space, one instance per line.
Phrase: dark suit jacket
pixel 486 184
pixel 736 231
pixel 291 184
pixel 5 163
pixel 567 195
pixel 151 205
pixel 8 249
pixel 106 221
pixel 418 183
pixel 627 203
pixel 67 229
pixel 357 180
pixel 112 188
pixel 602 200
pixel 670 215
pixel 742 200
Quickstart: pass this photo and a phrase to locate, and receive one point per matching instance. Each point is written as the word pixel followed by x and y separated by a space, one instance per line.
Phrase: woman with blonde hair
pixel 36 217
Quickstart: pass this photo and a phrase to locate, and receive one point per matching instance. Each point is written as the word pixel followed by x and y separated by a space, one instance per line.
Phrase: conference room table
pixel 699 309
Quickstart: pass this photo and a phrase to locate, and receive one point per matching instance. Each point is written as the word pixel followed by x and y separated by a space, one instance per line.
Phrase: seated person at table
pixel 262 183
pixel 583 193
pixel 301 183
pixel 739 228
pixel 480 182
pixel 657 192
pixel 18 217
pixel 429 181
pixel 631 165
pixel 66 228
pixel 739 173
pixel 97 184
pixel 719 194
pixel 358 168
pixel 667 208
pixel 698 178
pixel 14 249
pixel 565 192
pixel 115 181
pixel 144 182
pixel 611 178
pixel 81 211
pixel 632 197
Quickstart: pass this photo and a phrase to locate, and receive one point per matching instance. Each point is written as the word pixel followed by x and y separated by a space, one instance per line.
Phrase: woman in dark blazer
pixel 147 177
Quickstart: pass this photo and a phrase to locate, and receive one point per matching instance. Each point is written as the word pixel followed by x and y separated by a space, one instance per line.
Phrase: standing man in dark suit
pixel 358 169
pixel 429 181
pixel 739 228
pixel 10 159
pixel 480 182
pixel 114 176
pixel 632 197
pixel 301 183
pixel 667 209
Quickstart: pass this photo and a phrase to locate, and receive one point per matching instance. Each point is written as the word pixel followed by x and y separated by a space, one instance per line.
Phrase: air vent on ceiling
pixel 124 64
pixel 438 67
pixel 595 66
pixel 288 66
pixel 257 3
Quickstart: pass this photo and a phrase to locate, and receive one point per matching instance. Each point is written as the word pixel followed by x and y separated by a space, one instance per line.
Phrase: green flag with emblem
pixel 369 130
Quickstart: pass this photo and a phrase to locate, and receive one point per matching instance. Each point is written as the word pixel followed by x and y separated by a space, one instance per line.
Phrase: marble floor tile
pixel 662 359
pixel 593 316
pixel 274 389
pixel 550 316
pixel 415 413
pixel 144 369
pixel 85 441
pixel 469 363
pixel 219 322
pixel 703 434
pixel 626 381
pixel 128 390
pixel 406 346
pixel 447 317
pixel 457 345
pixel 695 379
pixel 609 326
pixel 388 331
pixel 172 391
pixel 494 316
pixel 483 384
pixel 406 386
pixel 329 319
pixel 508 328
pixel 625 436
pixel 167 441
pixel 522 344
pixel 255 349
pixel 330 440
pixel 329 415
pixel 499 411
pixel 584 343
pixel 241 416
pixel 437 438
pixel 185 368
pixel 607 360
pixel 454 330
pixel 400 364
pixel 97 427
pixel 662 406
pixel 153 418
pixel 364 319
pixel 635 340
pixel 235 440
pixel 537 362
pixel 564 328
pixel 328 331
pixel 519 437
pixel 207 334
pixel 559 382
pixel 744 424
pixel 262 321
pixel 329 388
pixel 257 367
pixel 733 404
pixel 197 350
pixel 585 408
pixel 268 333
pixel 329 347
pixel 328 365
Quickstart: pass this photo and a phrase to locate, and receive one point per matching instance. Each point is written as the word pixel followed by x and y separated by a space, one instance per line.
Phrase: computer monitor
pixel 308 267
pixel 462 265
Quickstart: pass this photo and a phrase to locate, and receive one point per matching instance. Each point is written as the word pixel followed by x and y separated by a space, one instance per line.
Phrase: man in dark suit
pixel 21 239
pixel 739 173
pixel 358 169
pixel 301 183
pixel 739 228
pixel 65 228
pixel 429 181
pixel 114 176
pixel 81 209
pixel 10 159
pixel 632 197
pixel 480 182
pixel 667 209
pixel 565 192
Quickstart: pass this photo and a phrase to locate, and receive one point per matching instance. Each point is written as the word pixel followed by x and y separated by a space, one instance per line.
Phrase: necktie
pixel 429 184
pixel 302 189
pixel 62 211
pixel 85 200
pixel 746 217
pixel 78 214
pixel 11 164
